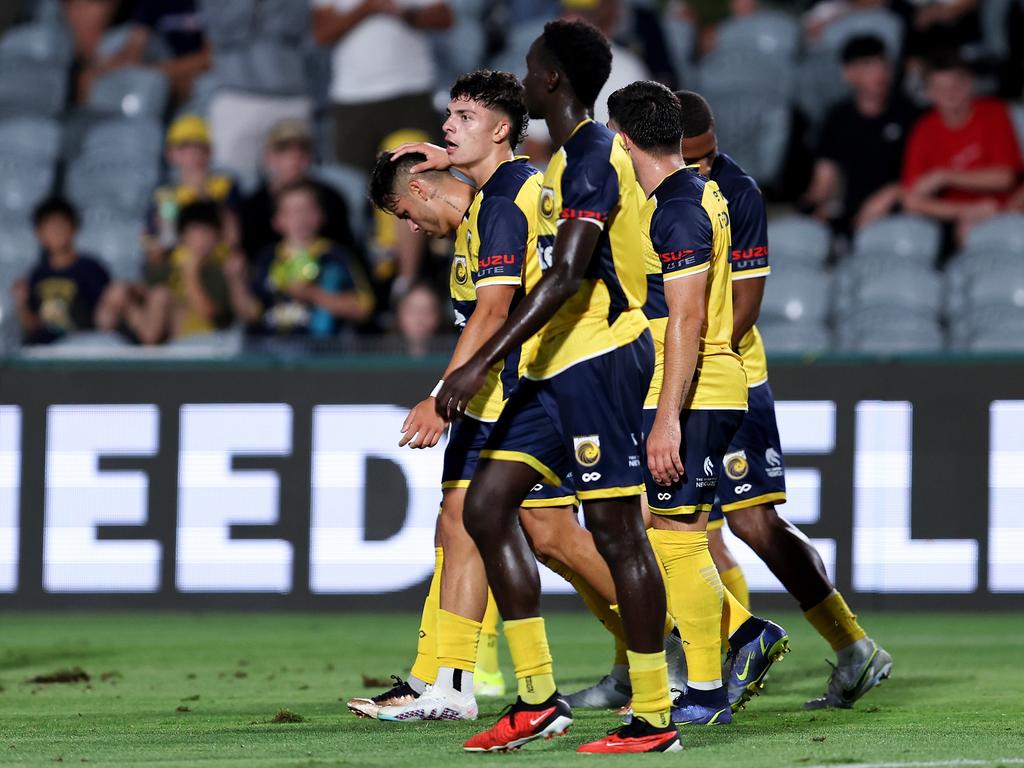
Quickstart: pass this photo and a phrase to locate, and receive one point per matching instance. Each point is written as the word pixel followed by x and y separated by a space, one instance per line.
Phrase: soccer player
pixel 754 481
pixel 578 410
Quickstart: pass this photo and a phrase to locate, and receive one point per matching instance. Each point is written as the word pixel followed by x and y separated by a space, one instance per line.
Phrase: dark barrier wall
pixel 253 484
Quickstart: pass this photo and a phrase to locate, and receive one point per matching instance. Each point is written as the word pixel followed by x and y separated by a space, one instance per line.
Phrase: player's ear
pixel 554 79
pixel 502 131
pixel 418 189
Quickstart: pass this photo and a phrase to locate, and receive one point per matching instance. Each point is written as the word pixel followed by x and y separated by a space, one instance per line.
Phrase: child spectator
pixel 188 155
pixel 62 292
pixel 305 285
pixel 184 293
pixel 418 317
pixel 962 161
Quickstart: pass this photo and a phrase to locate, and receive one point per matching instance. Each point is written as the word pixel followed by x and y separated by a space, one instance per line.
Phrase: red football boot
pixel 522 723
pixel 636 736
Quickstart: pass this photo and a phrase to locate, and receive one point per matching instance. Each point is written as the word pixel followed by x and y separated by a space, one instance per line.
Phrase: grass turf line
pixel 955 695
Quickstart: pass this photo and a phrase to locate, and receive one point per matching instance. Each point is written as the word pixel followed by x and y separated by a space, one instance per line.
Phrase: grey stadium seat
pixel 140 137
pixel 122 184
pixel 37 138
pixel 19 249
pixel 889 331
pixel 903 286
pixel 131 91
pixel 40 43
pixel 797 297
pixel 795 338
pixel 31 88
pixel 681 40
pixel 117 245
pixel 989 327
pixel 755 126
pixel 349 182
pixel 800 241
pixel 772 33
pixel 761 75
pixel 913 239
pixel 1000 233
pixel 965 267
pixel 881 23
pixel 23 182
pixel 1005 287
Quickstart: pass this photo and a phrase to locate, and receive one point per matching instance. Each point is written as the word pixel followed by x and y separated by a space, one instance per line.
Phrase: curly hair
pixel 500 91
pixel 582 53
pixel 649 114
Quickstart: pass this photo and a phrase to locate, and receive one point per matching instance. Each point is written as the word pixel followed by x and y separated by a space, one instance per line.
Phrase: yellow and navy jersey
pixel 689 234
pixel 591 178
pixel 749 256
pixel 496 244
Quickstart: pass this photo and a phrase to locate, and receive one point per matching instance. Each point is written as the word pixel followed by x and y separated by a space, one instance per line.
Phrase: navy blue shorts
pixel 755 471
pixel 466 438
pixel 585 423
pixel 706 437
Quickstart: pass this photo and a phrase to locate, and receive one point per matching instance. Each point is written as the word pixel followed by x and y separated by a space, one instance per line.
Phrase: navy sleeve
pixel 503 233
pixel 260 274
pixel 749 224
pixel 590 187
pixel 681 235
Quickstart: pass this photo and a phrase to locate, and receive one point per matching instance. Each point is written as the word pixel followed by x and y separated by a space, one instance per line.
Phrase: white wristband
pixel 437 388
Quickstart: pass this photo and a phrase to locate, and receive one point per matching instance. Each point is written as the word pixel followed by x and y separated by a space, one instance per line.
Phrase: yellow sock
pixel 425 666
pixel 487 652
pixel 621 653
pixel 734 581
pixel 648 673
pixel 695 593
pixel 835 622
pixel 598 606
pixel 528 644
pixel 457 639
pixel 733 614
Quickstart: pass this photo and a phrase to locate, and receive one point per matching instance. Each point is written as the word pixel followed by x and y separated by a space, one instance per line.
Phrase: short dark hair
pixel 694 113
pixel 863 47
pixel 301 185
pixel 649 113
pixel 500 91
pixel 947 61
pixel 55 206
pixel 201 214
pixel 582 53
pixel 389 176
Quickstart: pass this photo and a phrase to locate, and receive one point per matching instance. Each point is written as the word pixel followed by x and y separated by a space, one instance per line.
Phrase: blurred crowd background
pixel 189 175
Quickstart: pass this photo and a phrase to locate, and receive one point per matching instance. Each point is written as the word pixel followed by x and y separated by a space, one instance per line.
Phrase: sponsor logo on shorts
pixel 739 490
pixel 590 477
pixel 587 449
pixel 711 479
pixel 634 461
pixel 709 466
pixel 459 270
pixel 736 465
pixel 774 461
pixel 664 496
pixel 547 202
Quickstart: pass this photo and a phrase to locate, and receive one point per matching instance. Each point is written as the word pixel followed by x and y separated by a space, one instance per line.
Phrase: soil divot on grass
pixel 283 716
pixel 193 697
pixel 72 675
pixel 376 682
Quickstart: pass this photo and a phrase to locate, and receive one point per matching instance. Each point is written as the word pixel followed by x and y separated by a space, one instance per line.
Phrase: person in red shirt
pixel 962 161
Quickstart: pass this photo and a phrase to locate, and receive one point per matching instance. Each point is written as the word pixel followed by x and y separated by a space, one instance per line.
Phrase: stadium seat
pixel 797 296
pixel 912 239
pixel 24 181
pixel 891 330
pixel 131 91
pixel 755 125
pixel 795 338
pixel 116 244
pixel 108 182
pixel 31 88
pixel 681 40
pixel 349 182
pixel 19 250
pixel 798 241
pixel 880 22
pixel 763 76
pixel 1005 287
pixel 39 43
pixel 772 33
pixel 114 40
pixel 1000 233
pixel 900 285
pixel 36 138
pixel 963 268
pixel 994 17
pixel 142 138
pixel 988 327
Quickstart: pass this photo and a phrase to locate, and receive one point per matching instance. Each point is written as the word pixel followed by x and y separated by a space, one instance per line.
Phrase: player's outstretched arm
pixel 437 157
pixel 573 250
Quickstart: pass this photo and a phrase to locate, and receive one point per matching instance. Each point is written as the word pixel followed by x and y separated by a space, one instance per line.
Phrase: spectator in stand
pixel 61 293
pixel 177 24
pixel 862 141
pixel 418 318
pixel 259 66
pixel 286 161
pixel 184 293
pixel 962 161
pixel 304 286
pixel 188 155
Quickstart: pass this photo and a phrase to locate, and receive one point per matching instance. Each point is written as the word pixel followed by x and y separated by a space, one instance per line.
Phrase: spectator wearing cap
pixel 962 162
pixel 177 28
pixel 184 291
pixel 188 155
pixel 862 141
pixel 287 159
pixel 305 286
pixel 259 67
pixel 62 292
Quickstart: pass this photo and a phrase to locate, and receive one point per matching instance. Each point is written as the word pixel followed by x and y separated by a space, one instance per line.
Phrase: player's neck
pixel 563 119
pixel 482 170
pixel 651 169
pixel 456 197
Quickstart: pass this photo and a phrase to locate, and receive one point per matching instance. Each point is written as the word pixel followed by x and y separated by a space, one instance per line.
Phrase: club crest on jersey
pixel 736 465
pixel 588 449
pixel 460 271
pixel 547 202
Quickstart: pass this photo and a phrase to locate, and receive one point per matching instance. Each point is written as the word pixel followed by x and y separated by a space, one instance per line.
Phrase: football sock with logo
pixel 487 652
pixel 424 669
pixel 457 639
pixel 695 596
pixel 531 657
pixel 835 622
pixel 648 674
pixel 735 581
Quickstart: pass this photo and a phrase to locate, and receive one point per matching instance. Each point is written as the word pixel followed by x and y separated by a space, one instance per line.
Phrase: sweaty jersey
pixel 689 234
pixel 749 249
pixel 591 178
pixel 496 244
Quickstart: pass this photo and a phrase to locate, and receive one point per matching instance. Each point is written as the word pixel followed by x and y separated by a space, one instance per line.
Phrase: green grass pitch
pixel 202 690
